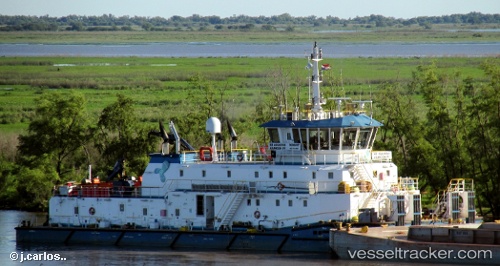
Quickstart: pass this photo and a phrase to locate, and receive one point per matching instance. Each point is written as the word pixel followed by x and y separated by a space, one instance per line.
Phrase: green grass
pixel 159 85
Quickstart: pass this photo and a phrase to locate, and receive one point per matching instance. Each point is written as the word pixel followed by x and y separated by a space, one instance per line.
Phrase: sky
pixel 227 8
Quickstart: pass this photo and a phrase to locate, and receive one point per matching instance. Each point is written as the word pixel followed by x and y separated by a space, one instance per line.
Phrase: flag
pixel 325 67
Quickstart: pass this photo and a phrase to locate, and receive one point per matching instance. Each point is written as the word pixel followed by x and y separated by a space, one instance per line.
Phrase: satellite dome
pixel 213 125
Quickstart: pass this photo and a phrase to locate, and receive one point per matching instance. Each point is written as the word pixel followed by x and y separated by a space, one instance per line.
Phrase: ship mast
pixel 317 101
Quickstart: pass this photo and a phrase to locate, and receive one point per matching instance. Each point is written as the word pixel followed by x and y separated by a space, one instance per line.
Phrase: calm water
pixel 212 49
pixel 91 255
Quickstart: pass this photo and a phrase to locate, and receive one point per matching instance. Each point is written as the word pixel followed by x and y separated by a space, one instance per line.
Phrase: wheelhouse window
pixel 364 137
pixel 348 139
pixel 324 143
pixel 296 135
pixel 273 134
pixel 335 138
pixel 313 139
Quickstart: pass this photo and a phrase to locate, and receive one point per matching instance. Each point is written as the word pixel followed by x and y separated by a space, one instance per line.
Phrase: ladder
pixel 236 201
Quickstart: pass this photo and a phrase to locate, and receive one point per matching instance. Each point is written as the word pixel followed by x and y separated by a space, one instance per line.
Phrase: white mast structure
pixel 317 100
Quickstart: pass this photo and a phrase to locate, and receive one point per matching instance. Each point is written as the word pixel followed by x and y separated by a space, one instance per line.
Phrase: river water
pixel 231 49
pixel 106 255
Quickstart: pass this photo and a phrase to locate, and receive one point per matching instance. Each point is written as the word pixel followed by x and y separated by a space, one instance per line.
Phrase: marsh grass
pixel 159 86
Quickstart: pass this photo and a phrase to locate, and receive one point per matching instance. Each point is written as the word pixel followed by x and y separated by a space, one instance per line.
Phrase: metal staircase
pixel 235 201
pixel 361 173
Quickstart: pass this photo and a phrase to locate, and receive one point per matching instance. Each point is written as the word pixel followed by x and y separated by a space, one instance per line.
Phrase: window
pixel 290 203
pixel 284 175
pixel 249 202
pixel 228 174
pixel 304 203
pixel 76 210
pixel 314 175
pixel 122 207
pixel 296 135
pixel 277 202
pixel 177 212
pixel 145 211
pixel 203 173
pixel 270 174
pixel 200 205
pixel 256 174
pixel 257 202
pixel 181 173
pixel 330 175
pixel 274 135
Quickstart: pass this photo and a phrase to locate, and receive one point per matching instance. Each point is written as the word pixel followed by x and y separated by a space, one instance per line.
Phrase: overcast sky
pixel 228 8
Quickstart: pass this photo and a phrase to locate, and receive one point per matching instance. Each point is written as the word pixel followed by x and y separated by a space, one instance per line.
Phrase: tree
pixel 59 131
pixel 484 140
pixel 119 136
pixel 51 152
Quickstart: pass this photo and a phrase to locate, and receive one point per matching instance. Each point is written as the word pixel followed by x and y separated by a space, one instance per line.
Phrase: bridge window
pixel 349 137
pixel 249 202
pixel 313 139
pixel 304 203
pixel 122 207
pixel 181 173
pixel 284 175
pixel 256 174
pixel 313 175
pixel 257 202
pixel 145 211
pixel 296 135
pixel 228 174
pixel 270 174
pixel 76 210
pixel 363 138
pixel 273 134
pixel 290 203
pixel 323 139
pixel 203 173
pixel 335 137
pixel 277 202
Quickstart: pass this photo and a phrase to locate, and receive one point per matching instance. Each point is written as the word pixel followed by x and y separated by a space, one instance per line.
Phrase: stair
pixel 233 207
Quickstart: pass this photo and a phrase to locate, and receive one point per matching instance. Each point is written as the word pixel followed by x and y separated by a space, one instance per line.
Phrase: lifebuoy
pixel 280 186
pixel 202 153
pixel 91 211
pixel 256 214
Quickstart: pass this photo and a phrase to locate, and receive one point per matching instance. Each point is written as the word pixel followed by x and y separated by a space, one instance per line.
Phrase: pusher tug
pixel 318 168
